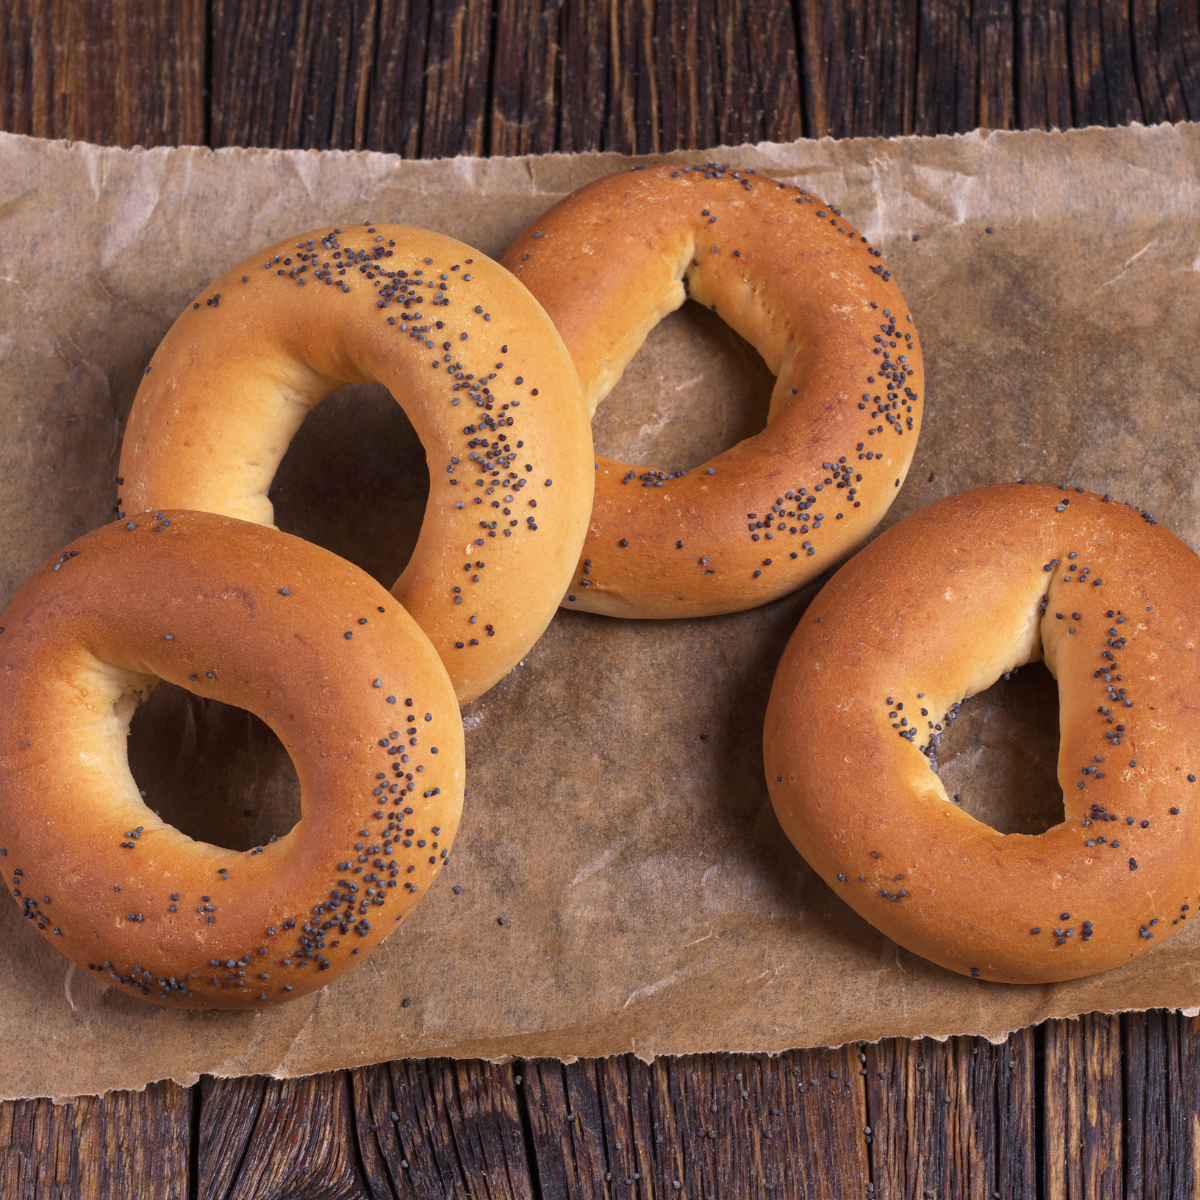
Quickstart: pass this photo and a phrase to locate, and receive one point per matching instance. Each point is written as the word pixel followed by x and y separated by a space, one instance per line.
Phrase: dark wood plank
pixel 628 1153
pixel 993 36
pixel 907 1087
pixel 589 1143
pixel 716 73
pixel 696 1107
pixel 441 1128
pixel 946 86
pixel 1166 51
pixel 1043 65
pixel 823 1092
pixel 814 64
pixel 739 117
pixel 1121 1103
pixel 1185 1105
pixel 1083 1108
pixel 320 100
pixel 416 1148
pixel 770 67
pixel 657 1129
pixel 632 108
pixel 860 68
pixel 531 76
pixel 712 1126
pixel 229 1110
pixel 1017 1116
pixel 1104 90
pixel 526 72
pixel 272 1139
pixel 825 30
pixel 676 33
pixel 884 98
pixel 1160 1092
pixel 125 1144
pixel 456 79
pixel 696 54
pixel 814 36
pixel 249 94
pixel 584 87
pixel 393 75
pixel 552 1138
pixel 953 1119
pixel 123 72
pixel 639 61
pixel 392 104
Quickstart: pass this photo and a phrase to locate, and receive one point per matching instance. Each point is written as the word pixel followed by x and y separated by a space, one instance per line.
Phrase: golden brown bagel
pixel 252 617
pixel 936 609
pixel 799 283
pixel 487 384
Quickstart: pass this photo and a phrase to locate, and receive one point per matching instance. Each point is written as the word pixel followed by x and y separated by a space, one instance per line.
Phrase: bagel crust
pixel 935 610
pixel 473 361
pixel 806 289
pixel 256 618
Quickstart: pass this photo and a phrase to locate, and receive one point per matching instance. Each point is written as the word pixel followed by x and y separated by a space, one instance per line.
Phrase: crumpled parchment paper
pixel 616 817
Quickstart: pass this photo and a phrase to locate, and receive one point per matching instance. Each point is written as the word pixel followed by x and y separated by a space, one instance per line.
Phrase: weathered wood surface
pixel 1105 1106
pixel 1100 1107
pixel 425 78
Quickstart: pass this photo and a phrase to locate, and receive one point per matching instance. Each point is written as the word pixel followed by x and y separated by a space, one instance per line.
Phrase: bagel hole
pixel 354 481
pixel 214 771
pixel 694 389
pixel 1000 753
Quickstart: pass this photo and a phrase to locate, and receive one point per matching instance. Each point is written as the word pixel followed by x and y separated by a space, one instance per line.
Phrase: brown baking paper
pixel 617 817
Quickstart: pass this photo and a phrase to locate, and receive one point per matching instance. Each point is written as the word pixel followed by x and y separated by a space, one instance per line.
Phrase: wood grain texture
pixel 426 78
pixel 953 1119
pixel 1166 58
pixel 1161 1083
pixel 125 1144
pixel 1043 73
pixel 525 95
pixel 310 64
pixel 583 91
pixel 441 1128
pixel 1102 77
pixel 98 73
pixel 1082 1108
pixel 1119 1116
pixel 272 1139
pixel 707 1126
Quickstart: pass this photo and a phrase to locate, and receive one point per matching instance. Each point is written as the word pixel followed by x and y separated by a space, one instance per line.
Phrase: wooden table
pixel 1102 1106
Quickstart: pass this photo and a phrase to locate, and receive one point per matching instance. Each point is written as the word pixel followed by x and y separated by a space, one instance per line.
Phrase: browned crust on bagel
pixel 805 287
pixel 505 434
pixel 331 666
pixel 936 609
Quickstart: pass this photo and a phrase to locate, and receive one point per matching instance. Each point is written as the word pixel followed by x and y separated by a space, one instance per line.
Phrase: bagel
pixel 256 618
pixel 937 609
pixel 807 290
pixel 473 361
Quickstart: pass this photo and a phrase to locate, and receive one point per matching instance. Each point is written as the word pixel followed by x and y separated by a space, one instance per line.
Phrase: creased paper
pixel 617 817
